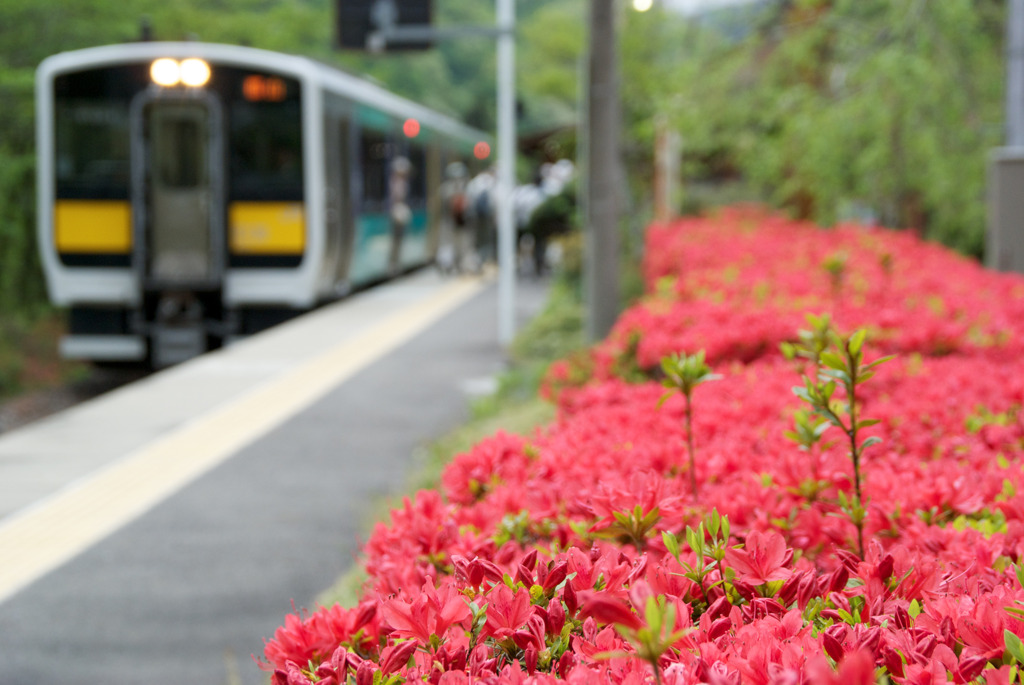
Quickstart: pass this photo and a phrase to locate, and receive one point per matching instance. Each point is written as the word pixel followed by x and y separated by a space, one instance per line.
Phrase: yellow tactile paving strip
pixel 44 536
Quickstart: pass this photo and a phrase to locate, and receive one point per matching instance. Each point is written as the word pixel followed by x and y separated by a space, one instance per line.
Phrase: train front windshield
pixel 225 159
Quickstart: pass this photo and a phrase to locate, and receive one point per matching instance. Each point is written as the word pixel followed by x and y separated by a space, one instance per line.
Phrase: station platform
pixel 160 532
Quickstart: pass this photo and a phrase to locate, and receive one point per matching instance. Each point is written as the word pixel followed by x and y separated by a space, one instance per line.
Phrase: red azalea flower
pixel 507 611
pixel 432 612
pixel 761 560
pixel 608 609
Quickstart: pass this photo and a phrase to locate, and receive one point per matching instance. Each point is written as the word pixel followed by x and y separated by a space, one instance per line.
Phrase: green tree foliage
pixel 550 45
pixel 888 105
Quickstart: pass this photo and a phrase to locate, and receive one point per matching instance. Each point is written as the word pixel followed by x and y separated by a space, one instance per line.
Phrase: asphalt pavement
pixel 186 588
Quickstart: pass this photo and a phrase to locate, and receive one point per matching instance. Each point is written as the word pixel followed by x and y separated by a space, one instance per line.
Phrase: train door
pixel 180 249
pixel 179 245
pixel 346 161
pixel 374 241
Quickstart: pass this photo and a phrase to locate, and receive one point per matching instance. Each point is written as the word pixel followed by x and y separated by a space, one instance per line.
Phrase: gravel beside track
pixel 31 406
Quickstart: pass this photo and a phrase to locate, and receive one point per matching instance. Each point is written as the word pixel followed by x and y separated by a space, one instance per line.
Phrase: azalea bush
pixel 823 546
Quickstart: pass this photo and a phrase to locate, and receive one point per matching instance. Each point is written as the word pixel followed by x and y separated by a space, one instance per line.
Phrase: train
pixel 191 194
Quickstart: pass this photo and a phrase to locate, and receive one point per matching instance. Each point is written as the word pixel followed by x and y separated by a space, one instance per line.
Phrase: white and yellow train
pixel 191 193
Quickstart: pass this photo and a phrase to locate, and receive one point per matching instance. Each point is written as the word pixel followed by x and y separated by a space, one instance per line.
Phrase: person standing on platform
pixel 456 238
pixel 401 215
pixel 481 195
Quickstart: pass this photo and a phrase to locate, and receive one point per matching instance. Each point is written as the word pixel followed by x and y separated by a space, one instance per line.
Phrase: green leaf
pixel 1014 646
pixel 914 609
pixel 652 614
pixel 857 342
pixel 653 516
pixel 829 390
pixel 833 360
pixel 840 376
pixel 873 440
pixel 691 541
pixel 714 520
pixel 868 422
pixel 881 360
pixel 671 543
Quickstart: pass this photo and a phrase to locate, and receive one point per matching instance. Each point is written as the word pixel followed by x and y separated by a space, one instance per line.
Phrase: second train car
pixel 193 193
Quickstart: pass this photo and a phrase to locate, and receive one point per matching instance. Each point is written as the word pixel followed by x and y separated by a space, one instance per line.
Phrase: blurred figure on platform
pixel 548 206
pixel 401 215
pixel 481 207
pixel 456 244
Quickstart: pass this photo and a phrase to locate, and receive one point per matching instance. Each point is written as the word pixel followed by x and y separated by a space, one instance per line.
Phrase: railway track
pixel 34 405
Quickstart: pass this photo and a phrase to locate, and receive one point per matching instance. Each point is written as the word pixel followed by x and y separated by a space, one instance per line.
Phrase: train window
pixel 180 152
pixel 92 148
pixel 266 151
pixel 375 153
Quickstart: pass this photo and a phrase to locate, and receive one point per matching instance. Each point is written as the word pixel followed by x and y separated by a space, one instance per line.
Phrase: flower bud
pixel 565 664
pixel 892 662
pixel 971 667
pixel 885 567
pixel 530 656
pixel 719 628
pixel 555 576
pixel 395 657
pixel 832 646
pixel 555 619
pixel 838 579
pixel 720 607
pixel 364 674
pixel 570 599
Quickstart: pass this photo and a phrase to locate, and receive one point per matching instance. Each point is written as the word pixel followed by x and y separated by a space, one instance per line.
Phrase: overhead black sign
pixel 356 21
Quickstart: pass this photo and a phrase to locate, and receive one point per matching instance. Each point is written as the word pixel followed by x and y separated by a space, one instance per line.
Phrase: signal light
pixel 411 128
pixel 481 150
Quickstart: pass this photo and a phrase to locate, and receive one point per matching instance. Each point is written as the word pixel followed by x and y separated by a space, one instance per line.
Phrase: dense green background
pixel 830 108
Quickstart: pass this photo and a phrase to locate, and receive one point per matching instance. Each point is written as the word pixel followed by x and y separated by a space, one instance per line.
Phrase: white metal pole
pixel 506 14
pixel 1015 74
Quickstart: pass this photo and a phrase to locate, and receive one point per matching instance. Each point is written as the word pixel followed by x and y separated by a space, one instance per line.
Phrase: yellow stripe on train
pixel 266 228
pixel 93 226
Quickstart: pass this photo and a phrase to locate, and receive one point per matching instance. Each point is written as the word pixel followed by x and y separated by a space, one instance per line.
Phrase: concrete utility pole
pixel 1004 243
pixel 1015 74
pixel 601 270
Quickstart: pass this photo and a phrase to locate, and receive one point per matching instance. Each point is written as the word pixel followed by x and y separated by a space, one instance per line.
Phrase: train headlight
pixel 165 72
pixel 195 72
